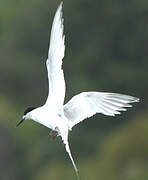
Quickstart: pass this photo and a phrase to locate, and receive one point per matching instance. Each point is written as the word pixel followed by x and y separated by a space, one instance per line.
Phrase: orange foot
pixel 50 133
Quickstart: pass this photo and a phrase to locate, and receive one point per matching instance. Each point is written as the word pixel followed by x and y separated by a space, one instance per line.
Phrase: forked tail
pixel 73 163
pixel 65 140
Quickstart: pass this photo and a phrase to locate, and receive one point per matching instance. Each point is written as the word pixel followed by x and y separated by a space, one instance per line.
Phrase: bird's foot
pixel 50 133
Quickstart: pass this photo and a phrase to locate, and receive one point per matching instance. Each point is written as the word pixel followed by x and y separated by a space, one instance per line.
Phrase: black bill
pixel 20 122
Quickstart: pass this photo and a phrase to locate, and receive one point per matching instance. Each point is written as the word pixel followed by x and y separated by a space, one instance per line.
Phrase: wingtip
pixel 60 7
pixel 60 10
pixel 137 100
pixel 61 4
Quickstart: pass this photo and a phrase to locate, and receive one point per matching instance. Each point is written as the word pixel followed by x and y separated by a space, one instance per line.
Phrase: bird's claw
pixel 51 134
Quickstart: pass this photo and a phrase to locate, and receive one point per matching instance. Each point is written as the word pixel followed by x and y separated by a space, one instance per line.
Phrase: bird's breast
pixel 50 119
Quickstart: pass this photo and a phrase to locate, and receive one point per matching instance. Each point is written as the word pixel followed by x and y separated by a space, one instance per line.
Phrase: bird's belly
pixel 51 121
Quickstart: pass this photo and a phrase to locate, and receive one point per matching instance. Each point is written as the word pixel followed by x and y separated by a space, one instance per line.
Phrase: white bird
pixel 59 117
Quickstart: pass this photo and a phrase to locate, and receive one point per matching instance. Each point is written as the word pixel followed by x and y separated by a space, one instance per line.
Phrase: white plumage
pixel 54 61
pixel 86 104
pixel 59 117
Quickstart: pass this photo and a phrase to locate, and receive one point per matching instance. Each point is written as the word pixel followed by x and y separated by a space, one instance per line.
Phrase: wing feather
pixel 87 104
pixel 54 61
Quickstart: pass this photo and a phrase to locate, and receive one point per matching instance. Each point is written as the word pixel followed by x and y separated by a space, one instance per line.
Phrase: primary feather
pixel 86 104
pixel 54 61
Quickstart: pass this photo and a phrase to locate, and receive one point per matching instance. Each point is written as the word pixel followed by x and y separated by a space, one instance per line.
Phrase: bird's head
pixel 26 115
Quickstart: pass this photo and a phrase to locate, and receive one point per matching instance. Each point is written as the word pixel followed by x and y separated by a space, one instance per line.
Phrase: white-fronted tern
pixel 59 117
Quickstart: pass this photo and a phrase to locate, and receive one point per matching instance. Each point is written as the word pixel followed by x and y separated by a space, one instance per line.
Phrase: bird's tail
pixel 65 140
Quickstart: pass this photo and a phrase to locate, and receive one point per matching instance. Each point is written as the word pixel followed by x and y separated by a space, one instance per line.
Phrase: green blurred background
pixel 106 50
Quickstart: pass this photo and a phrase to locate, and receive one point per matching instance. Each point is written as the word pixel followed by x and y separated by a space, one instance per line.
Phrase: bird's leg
pixel 50 133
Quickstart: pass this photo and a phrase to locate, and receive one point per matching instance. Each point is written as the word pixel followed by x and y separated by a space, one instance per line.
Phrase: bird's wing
pixel 86 104
pixel 54 61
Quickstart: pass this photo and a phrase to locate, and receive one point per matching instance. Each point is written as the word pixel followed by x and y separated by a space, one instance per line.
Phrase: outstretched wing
pixel 54 61
pixel 87 104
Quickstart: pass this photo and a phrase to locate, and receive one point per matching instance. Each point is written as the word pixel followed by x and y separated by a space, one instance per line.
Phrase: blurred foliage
pixel 106 50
